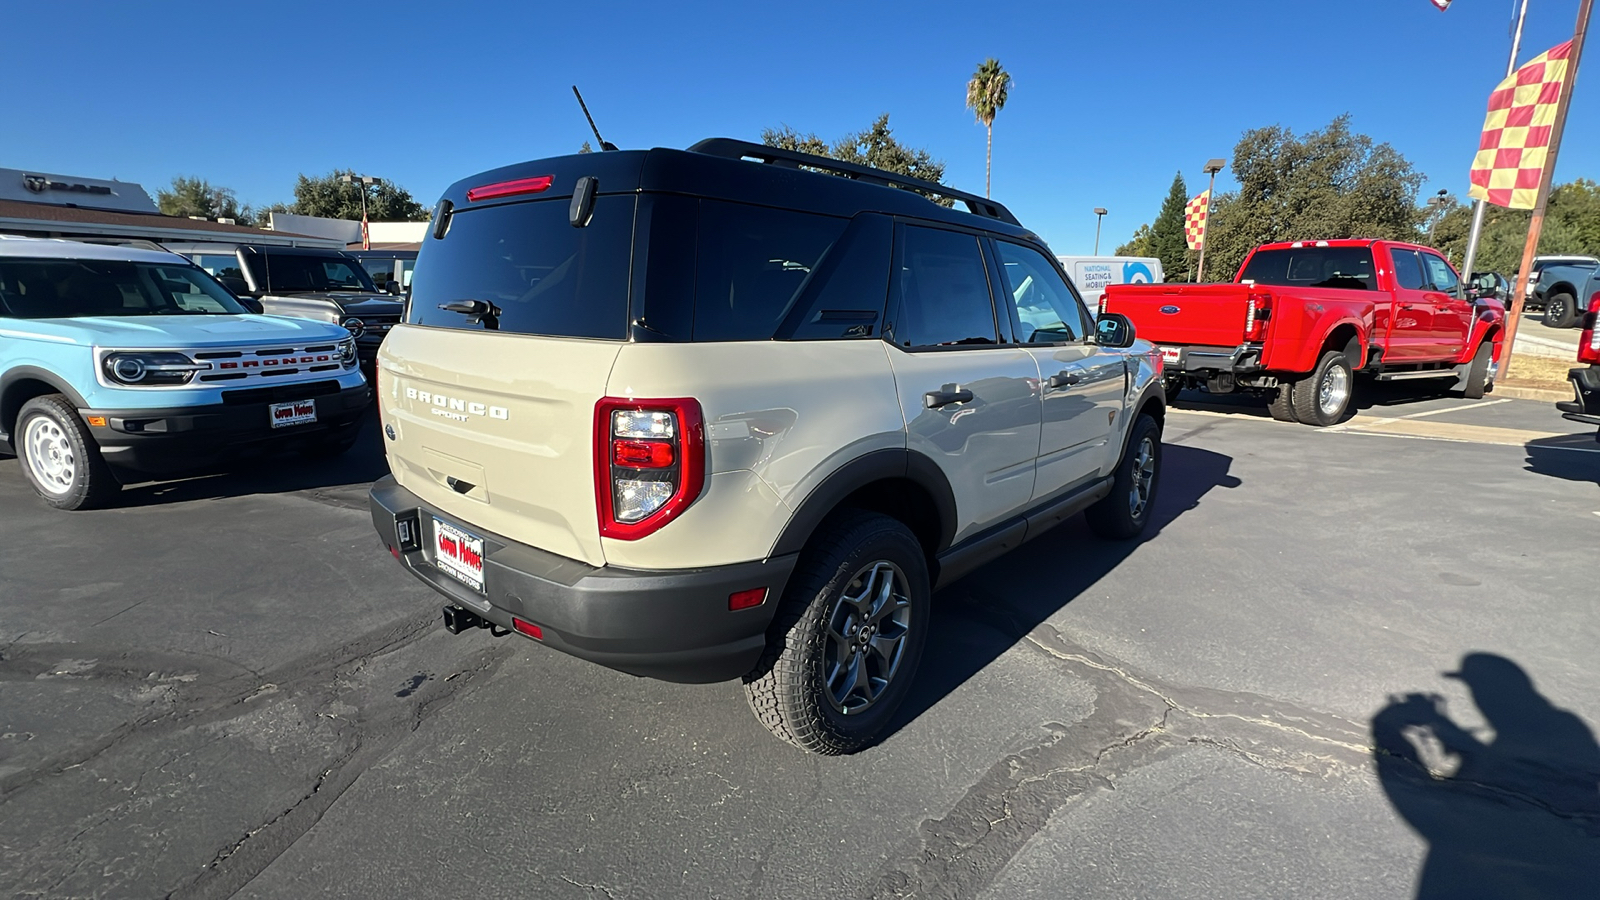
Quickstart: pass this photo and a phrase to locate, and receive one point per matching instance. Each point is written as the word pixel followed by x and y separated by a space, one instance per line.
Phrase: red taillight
pixel 649 463
pixel 527 628
pixel 1589 342
pixel 510 188
pixel 747 599
pixel 1258 312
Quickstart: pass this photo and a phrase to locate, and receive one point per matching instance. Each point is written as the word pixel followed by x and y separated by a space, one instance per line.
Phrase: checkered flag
pixel 1511 156
pixel 1442 4
pixel 1194 220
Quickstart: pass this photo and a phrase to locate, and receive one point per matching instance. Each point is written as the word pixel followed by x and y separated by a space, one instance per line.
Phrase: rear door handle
pixel 936 399
pixel 1065 378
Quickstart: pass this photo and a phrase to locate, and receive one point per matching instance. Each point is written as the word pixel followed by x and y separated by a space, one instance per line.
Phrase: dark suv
pixel 326 285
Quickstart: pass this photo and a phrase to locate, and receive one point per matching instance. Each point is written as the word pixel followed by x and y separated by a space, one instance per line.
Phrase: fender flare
pixel 32 373
pixel 878 465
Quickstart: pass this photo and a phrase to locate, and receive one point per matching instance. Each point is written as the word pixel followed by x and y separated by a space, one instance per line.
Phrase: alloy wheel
pixel 1144 478
pixel 867 630
pixel 1334 391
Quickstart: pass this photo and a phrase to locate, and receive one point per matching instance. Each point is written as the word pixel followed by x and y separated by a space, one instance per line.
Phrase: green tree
pixel 1332 183
pixel 1571 226
pixel 1141 244
pixel 586 148
pixel 198 197
pixel 327 196
pixel 986 96
pixel 1167 242
pixel 876 147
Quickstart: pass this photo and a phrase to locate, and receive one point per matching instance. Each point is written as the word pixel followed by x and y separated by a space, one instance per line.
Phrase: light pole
pixel 1099 214
pixel 1213 166
pixel 1435 213
pixel 365 181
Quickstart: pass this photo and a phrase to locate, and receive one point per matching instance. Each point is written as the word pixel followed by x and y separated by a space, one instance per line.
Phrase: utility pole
pixel 1099 214
pixel 365 181
pixel 1213 166
pixel 1482 206
pixel 1536 225
pixel 1435 213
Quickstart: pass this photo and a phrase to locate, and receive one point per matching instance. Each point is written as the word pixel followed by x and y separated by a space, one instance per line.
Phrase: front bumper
pixel 674 625
pixel 1585 407
pixel 138 442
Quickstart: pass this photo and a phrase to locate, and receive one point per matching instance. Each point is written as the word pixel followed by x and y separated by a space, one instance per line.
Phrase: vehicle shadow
pixel 1563 457
pixel 1515 815
pixel 1369 394
pixel 273 474
pixel 971 628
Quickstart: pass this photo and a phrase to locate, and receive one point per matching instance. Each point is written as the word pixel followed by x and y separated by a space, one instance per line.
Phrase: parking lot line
pixel 1371 422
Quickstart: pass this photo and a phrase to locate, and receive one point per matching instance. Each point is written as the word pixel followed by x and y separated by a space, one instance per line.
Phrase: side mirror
pixel 252 304
pixel 1113 330
pixel 394 288
pixel 234 284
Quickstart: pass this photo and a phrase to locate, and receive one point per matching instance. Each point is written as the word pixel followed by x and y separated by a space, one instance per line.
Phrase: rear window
pixel 1313 267
pixel 542 275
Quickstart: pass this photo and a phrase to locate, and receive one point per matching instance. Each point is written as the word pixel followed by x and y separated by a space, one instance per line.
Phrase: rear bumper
pixel 1585 407
pixel 674 625
pixel 1244 359
pixel 187 438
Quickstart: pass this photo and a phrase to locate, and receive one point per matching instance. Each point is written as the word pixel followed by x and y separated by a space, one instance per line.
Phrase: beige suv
pixel 714 414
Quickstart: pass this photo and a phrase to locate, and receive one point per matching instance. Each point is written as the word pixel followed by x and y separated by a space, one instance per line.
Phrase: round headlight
pixel 130 369
pixel 355 326
pixel 347 352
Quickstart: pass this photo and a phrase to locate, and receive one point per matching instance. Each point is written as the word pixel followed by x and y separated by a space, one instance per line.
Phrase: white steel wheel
pixel 60 458
pixel 49 455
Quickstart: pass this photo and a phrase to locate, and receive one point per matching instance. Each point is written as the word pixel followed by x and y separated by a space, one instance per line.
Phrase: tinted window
pixel 543 275
pixel 942 289
pixel 50 289
pixel 380 270
pixel 1316 267
pixel 1440 276
pixel 293 272
pixel 848 290
pixel 752 264
pixel 219 264
pixel 1048 310
pixel 1407 271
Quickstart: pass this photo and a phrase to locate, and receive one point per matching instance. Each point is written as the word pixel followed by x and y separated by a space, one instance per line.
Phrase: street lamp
pixel 365 181
pixel 1213 166
pixel 1436 205
pixel 1099 214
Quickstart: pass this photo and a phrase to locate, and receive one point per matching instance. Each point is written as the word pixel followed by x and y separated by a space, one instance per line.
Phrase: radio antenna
pixel 604 144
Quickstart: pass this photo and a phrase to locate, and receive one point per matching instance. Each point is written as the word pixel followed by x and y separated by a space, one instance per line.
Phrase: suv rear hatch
pixel 493 400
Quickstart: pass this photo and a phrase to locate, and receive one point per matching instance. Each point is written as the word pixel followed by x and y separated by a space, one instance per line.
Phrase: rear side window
pixel 294 272
pixel 1407 271
pixel 1315 267
pixel 1047 310
pixel 543 276
pixel 942 287
pixel 752 264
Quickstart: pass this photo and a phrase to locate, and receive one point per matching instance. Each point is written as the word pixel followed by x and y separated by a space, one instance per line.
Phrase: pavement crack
pixel 592 887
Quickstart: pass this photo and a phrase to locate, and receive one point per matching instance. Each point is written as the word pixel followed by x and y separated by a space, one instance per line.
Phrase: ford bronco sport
pixel 716 414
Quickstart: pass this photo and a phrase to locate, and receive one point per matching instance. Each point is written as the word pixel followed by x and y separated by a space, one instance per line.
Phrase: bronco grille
pixel 253 365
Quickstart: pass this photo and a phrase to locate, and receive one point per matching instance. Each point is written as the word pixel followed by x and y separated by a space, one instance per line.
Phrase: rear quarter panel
pixel 1303 319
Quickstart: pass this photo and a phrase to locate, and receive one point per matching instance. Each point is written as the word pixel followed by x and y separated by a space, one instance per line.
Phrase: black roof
pixel 292 251
pixel 726 169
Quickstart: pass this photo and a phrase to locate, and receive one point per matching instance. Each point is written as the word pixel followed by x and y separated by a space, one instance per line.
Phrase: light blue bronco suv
pixel 117 364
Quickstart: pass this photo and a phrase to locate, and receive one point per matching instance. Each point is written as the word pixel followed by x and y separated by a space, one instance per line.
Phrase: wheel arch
pixel 898 483
pixel 24 383
pixel 1346 338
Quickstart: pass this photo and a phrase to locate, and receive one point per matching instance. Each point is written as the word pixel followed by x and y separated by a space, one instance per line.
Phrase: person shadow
pixel 1512 815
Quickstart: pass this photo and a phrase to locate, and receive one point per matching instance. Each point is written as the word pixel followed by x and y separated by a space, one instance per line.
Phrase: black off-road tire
pixel 1560 311
pixel 1172 389
pixel 1282 405
pixel 90 483
pixel 1123 513
pixel 788 689
pixel 1307 394
pixel 1478 372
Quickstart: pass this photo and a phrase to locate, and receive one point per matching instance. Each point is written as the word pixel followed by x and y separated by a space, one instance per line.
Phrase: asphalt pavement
pixel 228 688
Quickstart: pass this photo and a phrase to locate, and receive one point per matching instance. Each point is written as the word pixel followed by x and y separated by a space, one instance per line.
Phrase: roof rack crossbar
pixel 728 148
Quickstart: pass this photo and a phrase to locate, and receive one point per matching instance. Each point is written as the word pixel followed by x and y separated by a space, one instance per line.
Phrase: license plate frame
pixel 458 553
pixel 1170 355
pixel 292 413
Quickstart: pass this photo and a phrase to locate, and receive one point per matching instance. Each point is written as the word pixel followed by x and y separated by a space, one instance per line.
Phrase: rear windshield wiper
pixel 476 311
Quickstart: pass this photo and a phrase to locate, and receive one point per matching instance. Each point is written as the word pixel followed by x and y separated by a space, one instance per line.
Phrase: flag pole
pixel 1200 268
pixel 1482 206
pixel 1536 225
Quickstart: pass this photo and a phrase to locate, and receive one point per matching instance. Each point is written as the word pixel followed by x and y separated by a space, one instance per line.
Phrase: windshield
pixel 72 288
pixel 1313 267
pixel 293 273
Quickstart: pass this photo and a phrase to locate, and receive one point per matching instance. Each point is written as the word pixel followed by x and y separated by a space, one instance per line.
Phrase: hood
pixel 179 332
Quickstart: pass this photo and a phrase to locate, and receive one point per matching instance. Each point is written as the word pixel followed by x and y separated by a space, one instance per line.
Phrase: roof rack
pixel 729 148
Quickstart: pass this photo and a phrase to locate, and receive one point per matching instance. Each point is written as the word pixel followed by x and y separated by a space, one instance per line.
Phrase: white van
pixel 1091 274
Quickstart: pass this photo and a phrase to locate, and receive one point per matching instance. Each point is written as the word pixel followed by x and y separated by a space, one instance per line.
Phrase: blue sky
pixel 1110 99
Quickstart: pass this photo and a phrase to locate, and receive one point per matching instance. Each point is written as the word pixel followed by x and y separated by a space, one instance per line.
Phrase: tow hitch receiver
pixel 457 620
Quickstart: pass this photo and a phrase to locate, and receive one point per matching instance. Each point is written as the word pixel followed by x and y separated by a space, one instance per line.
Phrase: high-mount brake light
pixel 649 463
pixel 534 185
pixel 1589 342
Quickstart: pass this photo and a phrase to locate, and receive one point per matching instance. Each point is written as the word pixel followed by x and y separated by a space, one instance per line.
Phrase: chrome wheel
pixel 867 628
pixel 1144 478
pixel 49 455
pixel 1334 391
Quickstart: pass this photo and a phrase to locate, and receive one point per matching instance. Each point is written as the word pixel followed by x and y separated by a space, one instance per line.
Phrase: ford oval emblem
pixel 1169 310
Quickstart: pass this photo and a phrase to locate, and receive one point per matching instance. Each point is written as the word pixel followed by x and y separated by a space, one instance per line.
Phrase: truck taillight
pixel 1258 312
pixel 1589 343
pixel 649 463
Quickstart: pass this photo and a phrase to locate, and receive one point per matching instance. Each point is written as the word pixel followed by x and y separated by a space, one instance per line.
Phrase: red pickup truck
pixel 1302 318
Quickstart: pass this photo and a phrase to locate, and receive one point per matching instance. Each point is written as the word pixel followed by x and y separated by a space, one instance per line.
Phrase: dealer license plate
pixel 1171 354
pixel 300 412
pixel 458 554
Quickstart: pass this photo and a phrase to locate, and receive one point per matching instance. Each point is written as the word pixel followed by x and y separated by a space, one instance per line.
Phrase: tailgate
pixel 1209 315
pixel 496 430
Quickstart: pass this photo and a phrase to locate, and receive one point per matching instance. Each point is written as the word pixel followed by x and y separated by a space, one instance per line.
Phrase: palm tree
pixel 986 96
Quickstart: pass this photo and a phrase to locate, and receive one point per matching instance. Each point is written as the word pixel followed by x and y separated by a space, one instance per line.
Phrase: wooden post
pixel 1531 248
